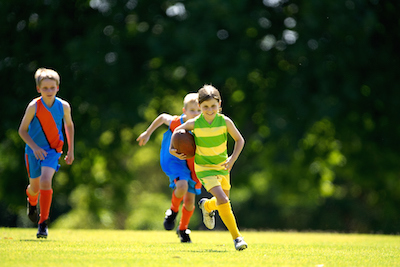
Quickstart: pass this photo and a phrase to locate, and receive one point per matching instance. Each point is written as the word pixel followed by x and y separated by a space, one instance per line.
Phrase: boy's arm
pixel 160 120
pixel 70 133
pixel 188 126
pixel 23 132
pixel 239 144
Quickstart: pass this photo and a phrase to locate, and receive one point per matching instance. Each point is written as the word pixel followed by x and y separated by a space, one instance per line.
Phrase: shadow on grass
pixel 206 251
pixel 36 240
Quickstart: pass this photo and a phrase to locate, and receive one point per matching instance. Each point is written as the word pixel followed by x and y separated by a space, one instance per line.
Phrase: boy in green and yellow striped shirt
pixel 212 163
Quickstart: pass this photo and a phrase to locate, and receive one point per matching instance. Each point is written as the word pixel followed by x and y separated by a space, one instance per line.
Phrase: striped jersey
pixel 46 126
pixel 211 146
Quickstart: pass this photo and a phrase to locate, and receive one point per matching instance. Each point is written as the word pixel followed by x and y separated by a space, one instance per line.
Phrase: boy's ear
pixel 37 89
pixel 183 110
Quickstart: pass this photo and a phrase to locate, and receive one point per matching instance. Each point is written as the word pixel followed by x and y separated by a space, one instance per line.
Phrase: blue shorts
pixel 177 170
pixel 34 166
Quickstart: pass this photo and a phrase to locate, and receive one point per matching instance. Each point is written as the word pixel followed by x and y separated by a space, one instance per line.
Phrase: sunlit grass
pixel 19 247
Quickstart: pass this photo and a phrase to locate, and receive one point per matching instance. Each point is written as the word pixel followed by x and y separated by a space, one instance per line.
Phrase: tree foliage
pixel 312 85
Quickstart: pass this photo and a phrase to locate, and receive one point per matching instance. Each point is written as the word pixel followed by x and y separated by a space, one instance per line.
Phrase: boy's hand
pixel 228 164
pixel 39 153
pixel 69 158
pixel 143 138
pixel 175 153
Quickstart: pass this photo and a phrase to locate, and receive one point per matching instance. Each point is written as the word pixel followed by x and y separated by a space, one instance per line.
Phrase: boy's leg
pixel 183 231
pixel 32 200
pixel 175 201
pixel 187 211
pixel 46 192
pixel 210 204
pixel 32 191
pixel 225 211
pixel 172 212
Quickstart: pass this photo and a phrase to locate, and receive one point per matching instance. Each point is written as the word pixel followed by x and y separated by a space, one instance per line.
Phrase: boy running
pixel 212 164
pixel 41 130
pixel 181 173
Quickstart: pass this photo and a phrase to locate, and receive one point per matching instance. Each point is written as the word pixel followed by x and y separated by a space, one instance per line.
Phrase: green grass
pixel 19 247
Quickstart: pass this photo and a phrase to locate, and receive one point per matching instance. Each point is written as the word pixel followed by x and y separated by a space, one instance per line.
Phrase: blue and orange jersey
pixel 46 126
pixel 166 158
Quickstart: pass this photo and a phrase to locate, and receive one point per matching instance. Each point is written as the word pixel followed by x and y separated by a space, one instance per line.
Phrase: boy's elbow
pixel 20 131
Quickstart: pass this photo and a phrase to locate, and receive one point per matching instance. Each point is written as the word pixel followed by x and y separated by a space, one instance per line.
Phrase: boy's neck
pixel 210 122
pixel 49 102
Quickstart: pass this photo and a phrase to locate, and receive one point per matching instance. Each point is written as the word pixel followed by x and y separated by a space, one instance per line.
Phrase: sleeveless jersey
pixel 211 146
pixel 170 163
pixel 46 126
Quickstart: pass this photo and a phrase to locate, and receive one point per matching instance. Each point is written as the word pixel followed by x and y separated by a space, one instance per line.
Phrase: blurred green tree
pixel 312 86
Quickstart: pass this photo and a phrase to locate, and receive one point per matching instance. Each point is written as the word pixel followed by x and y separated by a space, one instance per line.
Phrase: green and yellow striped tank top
pixel 211 146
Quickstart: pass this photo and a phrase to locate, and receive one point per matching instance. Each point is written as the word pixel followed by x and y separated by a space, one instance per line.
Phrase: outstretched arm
pixel 160 120
pixel 70 133
pixel 239 144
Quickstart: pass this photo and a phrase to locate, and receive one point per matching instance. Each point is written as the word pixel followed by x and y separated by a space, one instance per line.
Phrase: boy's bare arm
pixel 239 144
pixel 160 120
pixel 23 132
pixel 70 133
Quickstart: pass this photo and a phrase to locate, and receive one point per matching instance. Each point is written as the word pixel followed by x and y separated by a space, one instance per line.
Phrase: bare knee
pixel 181 187
pixel 189 201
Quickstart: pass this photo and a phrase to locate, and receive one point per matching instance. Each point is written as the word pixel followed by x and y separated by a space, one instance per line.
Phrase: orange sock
pixel 45 203
pixel 211 204
pixel 33 199
pixel 185 219
pixel 175 202
pixel 226 214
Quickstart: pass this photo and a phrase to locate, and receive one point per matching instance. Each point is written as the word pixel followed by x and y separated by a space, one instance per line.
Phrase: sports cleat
pixel 32 212
pixel 239 243
pixel 42 230
pixel 169 220
pixel 184 235
pixel 208 217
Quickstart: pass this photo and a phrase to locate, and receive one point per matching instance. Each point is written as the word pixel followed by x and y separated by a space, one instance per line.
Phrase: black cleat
pixel 32 212
pixel 42 230
pixel 184 235
pixel 169 221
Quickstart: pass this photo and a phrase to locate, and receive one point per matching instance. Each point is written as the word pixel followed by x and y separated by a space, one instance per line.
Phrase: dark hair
pixel 208 92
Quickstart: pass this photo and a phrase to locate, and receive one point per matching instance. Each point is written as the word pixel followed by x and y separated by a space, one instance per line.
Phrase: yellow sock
pixel 211 204
pixel 226 214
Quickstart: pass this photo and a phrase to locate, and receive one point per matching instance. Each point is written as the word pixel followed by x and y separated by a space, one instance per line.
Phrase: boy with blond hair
pixel 41 130
pixel 181 173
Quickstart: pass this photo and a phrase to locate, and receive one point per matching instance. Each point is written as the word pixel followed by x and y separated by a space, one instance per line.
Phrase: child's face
pixel 192 110
pixel 210 108
pixel 48 88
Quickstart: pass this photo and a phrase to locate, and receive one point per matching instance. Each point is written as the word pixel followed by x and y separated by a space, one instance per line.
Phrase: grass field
pixel 19 247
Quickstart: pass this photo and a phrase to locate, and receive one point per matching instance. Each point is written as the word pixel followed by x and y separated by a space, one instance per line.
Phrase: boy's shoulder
pixel 175 122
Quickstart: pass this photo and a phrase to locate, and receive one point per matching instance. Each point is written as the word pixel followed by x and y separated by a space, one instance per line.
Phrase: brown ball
pixel 183 142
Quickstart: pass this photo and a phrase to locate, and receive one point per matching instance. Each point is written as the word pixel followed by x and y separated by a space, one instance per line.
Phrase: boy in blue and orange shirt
pixel 41 130
pixel 182 177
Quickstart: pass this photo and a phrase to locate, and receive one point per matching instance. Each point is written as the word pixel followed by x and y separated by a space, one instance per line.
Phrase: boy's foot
pixel 208 217
pixel 239 243
pixel 184 235
pixel 32 212
pixel 42 230
pixel 169 220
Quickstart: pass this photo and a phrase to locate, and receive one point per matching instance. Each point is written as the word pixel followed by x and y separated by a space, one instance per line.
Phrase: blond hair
pixel 43 73
pixel 191 97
